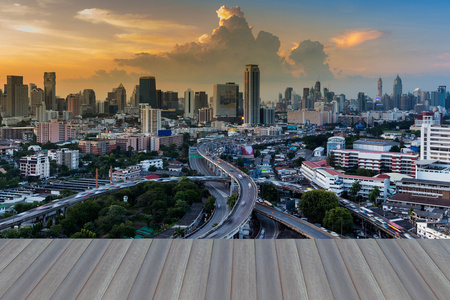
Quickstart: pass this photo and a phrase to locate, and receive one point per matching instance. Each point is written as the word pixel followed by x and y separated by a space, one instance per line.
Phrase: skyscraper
pixel 380 89
pixel 89 99
pixel 251 95
pixel 16 104
pixel 121 96
pixel 150 119
pixel 134 99
pixel 305 98
pixel 317 94
pixel 147 91
pixel 397 93
pixel 37 99
pixel 201 100
pixel 287 97
pixel 361 102
pixel 50 90
pixel 189 104
pixel 225 100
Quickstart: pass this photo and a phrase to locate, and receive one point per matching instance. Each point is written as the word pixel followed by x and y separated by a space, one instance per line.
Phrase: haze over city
pixel 346 45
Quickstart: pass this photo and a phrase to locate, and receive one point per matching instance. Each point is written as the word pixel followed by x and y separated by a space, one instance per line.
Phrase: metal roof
pixel 224 269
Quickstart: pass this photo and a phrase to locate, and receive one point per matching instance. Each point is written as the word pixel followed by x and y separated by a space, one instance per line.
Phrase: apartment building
pixel 35 165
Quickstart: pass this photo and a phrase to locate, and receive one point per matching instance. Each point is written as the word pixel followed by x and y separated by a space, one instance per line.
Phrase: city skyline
pixel 97 48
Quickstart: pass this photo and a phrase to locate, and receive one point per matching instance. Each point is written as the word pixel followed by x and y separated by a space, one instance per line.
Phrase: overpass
pixel 355 209
pixel 296 224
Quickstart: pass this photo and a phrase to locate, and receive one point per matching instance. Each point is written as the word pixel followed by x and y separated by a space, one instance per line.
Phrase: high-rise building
pixel 287 97
pixel 169 100
pixel 205 115
pixel 201 100
pixel 267 115
pixel 74 104
pixel 150 119
pixel 397 93
pixel 134 99
pixel 16 104
pixel 31 86
pixel 225 100
pixel 317 94
pixel 147 91
pixel 50 90
pixel 251 96
pixel 361 102
pixel 189 104
pixel 121 97
pixel 380 89
pixel 305 98
pixel 442 95
pixel 89 99
pixel 37 99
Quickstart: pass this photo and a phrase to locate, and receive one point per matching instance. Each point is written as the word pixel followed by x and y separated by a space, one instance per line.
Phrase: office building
pixel 397 92
pixel 267 115
pixel 50 90
pixel 158 141
pixel 335 142
pixel 225 100
pixel 16 104
pixel 251 94
pixel 97 147
pixel 35 165
pixel 147 91
pixel 288 97
pixel 36 99
pixel 205 115
pixel 150 119
pixel 380 89
pixel 118 97
pixel 55 132
pixel 89 100
pixel 134 99
pixel 189 104
pixel 361 102
pixel 435 140
pixel 201 100
pixel 74 104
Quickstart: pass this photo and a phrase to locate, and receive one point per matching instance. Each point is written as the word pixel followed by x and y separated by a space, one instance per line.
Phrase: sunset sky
pixel 346 45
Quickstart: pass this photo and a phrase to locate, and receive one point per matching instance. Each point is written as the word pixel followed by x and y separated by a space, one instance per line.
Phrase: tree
pixel 395 149
pixel 210 204
pixel 354 190
pixel 314 204
pixel 290 155
pixel 298 162
pixel 374 194
pixel 231 200
pixel 338 220
pixel 268 192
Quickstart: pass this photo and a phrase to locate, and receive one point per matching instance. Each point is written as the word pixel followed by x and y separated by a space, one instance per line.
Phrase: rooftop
pixel 376 142
pixel 420 200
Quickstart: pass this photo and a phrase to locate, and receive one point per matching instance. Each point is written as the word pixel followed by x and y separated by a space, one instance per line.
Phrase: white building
pixel 69 158
pixel 435 140
pixel 130 173
pixel 150 119
pixel 433 170
pixel 35 165
pixel 330 179
pixel 379 162
pixel 433 230
pixel 189 104
pixel 145 164
pixel 374 145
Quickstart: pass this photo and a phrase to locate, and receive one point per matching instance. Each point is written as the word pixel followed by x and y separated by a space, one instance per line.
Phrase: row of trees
pixel 323 207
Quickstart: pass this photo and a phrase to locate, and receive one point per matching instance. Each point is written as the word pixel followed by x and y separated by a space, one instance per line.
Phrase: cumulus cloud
pixel 309 61
pixel 103 76
pixel 356 37
pixel 223 54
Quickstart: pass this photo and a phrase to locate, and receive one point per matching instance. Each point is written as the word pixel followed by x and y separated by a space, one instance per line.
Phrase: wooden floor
pixel 224 269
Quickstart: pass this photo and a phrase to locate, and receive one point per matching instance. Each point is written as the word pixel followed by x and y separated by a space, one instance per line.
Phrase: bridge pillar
pixel 233 186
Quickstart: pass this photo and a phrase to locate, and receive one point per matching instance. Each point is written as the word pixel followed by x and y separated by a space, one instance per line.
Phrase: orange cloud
pixel 356 37
pixel 224 13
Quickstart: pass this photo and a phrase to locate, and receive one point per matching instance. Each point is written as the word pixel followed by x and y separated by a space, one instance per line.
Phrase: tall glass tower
pixel 50 90
pixel 147 91
pixel 397 93
pixel 251 94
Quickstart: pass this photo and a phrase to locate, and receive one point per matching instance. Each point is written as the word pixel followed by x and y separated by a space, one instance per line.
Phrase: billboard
pixel 247 150
pixel 164 132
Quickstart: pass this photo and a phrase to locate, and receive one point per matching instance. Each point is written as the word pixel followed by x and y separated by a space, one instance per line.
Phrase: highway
pixel 296 224
pixel 247 198
pixel 217 189
pixel 269 228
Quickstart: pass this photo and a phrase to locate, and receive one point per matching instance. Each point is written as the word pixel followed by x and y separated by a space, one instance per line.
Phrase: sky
pixel 194 44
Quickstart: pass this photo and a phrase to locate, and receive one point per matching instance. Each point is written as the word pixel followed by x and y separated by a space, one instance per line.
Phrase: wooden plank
pixel 314 275
pixel 340 281
pixel 196 276
pixel 362 277
pixel 104 271
pixel 38 268
pixel 431 274
pixel 171 280
pixel 122 282
pixel 147 279
pixel 79 274
pixel 220 271
pixel 50 281
pixel 243 281
pixel 388 280
pixel 406 271
pixel 10 251
pixel 438 254
pixel 268 283
pixel 21 263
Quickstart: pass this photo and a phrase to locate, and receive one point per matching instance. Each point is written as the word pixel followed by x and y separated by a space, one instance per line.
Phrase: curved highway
pixel 247 198
pixel 268 228
pixel 217 189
